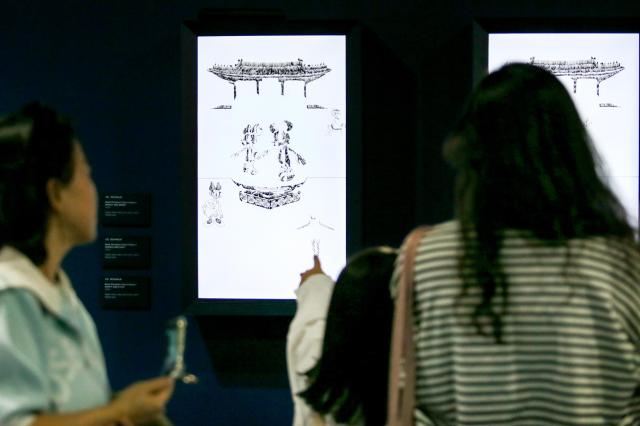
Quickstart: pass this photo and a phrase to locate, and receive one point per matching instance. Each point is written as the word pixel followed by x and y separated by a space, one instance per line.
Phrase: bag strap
pixel 402 360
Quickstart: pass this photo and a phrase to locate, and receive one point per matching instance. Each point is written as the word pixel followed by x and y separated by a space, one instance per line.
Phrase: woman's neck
pixel 57 248
pixel 50 269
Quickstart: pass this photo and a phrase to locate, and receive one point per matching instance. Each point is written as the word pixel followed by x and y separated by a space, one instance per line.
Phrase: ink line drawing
pixel 337 123
pixel 212 208
pixel 282 140
pixel 249 137
pixel 588 69
pixel 273 185
pixel 258 71
pixel 269 198
pixel 316 230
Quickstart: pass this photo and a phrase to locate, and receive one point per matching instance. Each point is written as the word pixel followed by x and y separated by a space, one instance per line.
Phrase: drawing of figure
pixel 248 151
pixel 336 121
pixel 315 229
pixel 282 140
pixel 212 208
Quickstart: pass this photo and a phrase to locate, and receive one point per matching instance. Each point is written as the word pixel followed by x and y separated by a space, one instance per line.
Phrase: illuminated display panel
pixel 600 71
pixel 271 162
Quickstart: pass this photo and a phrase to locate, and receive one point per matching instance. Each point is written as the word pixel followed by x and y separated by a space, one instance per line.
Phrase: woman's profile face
pixel 79 201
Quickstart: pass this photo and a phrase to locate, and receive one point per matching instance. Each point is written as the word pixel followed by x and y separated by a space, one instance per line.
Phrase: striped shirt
pixel 571 351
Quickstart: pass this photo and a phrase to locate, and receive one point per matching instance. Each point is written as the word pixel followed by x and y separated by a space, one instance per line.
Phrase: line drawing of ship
pixel 586 69
pixel 257 71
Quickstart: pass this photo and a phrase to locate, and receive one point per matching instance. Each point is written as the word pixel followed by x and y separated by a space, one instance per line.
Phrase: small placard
pixel 124 252
pixel 126 209
pixel 126 292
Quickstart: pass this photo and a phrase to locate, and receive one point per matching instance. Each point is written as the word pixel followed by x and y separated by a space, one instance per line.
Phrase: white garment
pixel 304 340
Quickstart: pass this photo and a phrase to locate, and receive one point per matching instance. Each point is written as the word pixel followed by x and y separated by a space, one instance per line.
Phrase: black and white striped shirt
pixel 571 351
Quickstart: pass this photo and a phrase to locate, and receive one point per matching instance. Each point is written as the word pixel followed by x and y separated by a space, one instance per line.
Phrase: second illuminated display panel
pixel 601 73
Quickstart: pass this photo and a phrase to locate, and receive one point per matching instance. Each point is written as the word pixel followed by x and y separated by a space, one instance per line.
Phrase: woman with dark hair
pixel 339 373
pixel 52 369
pixel 527 306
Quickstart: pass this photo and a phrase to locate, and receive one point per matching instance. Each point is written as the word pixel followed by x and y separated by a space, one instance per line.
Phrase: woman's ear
pixel 54 193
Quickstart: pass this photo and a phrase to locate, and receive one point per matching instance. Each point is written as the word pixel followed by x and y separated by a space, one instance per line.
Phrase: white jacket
pixel 304 340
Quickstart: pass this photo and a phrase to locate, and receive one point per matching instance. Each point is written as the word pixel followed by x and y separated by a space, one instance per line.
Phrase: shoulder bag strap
pixel 401 363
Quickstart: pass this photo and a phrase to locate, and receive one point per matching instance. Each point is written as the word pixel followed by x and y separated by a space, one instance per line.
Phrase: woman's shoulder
pixel 444 232
pixel 15 268
pixel 17 272
pixel 621 255
pixel 19 306
pixel 448 227
pixel 13 276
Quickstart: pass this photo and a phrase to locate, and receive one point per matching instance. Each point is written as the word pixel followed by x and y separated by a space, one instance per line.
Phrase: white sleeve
pixel 306 333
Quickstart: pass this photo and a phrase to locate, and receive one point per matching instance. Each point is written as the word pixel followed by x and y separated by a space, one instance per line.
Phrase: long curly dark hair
pixel 36 144
pixel 524 161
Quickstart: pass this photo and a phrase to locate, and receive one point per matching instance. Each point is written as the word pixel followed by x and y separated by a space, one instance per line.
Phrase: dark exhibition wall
pixel 115 69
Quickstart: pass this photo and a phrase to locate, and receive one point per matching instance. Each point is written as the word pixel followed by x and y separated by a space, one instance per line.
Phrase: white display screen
pixel 271 162
pixel 600 71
